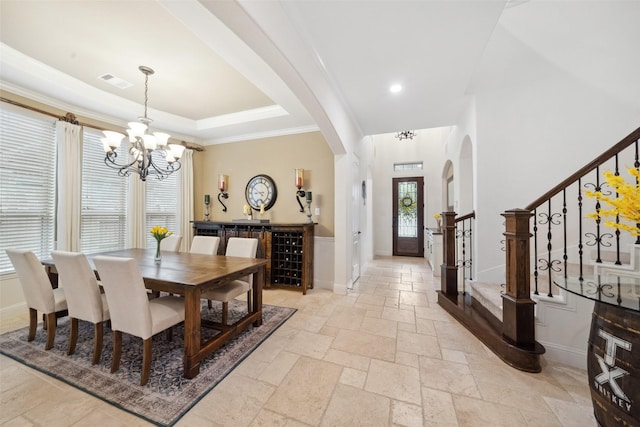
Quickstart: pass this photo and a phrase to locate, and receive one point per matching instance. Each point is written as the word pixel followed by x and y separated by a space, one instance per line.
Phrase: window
pixel 398 167
pixel 104 199
pixel 27 183
pixel 161 204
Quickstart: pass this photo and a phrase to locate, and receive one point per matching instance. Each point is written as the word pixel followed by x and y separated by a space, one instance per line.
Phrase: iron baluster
pixel 565 257
pixel 580 245
pixel 617 232
pixel 535 251
pixel 636 164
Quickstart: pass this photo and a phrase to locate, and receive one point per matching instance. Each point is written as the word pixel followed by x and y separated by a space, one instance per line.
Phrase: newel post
pixel 449 269
pixel 518 308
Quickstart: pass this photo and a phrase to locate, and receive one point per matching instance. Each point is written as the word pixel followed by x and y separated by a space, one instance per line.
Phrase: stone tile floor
pixel 384 355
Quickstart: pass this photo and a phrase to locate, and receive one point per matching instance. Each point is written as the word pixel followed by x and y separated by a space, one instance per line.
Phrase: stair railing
pixel 558 237
pixel 457 241
pixel 551 245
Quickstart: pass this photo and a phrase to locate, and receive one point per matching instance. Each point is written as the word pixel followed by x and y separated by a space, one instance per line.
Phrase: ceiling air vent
pixel 115 81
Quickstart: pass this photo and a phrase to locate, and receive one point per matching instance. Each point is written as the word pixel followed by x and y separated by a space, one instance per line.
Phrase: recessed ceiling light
pixel 395 88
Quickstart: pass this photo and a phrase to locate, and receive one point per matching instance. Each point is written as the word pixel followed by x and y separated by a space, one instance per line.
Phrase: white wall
pixel 530 131
pixel 524 147
pixel 427 147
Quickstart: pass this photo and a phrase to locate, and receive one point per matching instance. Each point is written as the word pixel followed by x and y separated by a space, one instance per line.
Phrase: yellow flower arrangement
pixel 626 205
pixel 160 232
pixel 437 216
pixel 246 209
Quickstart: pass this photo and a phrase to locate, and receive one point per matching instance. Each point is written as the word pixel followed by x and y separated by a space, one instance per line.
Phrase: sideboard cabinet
pixel 289 247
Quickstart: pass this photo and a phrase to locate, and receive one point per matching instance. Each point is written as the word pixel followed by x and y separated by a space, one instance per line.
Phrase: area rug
pixel 168 395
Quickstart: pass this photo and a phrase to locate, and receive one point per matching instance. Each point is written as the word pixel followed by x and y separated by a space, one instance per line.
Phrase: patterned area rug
pixel 168 395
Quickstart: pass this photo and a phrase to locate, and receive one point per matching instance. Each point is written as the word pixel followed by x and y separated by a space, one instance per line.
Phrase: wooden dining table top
pixel 183 268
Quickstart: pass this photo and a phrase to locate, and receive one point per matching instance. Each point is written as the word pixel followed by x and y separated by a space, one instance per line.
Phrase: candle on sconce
pixel 206 199
pixel 222 182
pixel 308 194
pixel 299 177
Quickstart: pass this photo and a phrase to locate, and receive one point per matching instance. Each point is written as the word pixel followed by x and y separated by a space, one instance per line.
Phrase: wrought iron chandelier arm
pixel 142 153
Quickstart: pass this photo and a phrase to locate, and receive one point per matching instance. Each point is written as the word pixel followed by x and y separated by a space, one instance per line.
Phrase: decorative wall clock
pixel 261 189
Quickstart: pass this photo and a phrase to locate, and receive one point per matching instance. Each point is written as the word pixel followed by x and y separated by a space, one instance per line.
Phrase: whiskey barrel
pixel 613 365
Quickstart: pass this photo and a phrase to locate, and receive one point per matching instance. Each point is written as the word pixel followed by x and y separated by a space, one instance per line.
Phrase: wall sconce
pixel 207 200
pixel 299 184
pixel 223 185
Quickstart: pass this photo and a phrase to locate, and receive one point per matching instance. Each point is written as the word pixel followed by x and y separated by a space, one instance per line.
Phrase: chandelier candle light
pixel 149 154
pixel 405 134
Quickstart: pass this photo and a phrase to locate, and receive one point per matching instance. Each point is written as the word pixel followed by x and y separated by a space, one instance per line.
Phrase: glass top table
pixel 619 291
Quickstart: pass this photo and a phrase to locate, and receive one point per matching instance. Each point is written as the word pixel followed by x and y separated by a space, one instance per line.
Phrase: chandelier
pixel 149 154
pixel 405 134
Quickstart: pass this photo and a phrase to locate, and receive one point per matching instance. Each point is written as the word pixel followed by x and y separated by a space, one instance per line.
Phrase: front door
pixel 408 217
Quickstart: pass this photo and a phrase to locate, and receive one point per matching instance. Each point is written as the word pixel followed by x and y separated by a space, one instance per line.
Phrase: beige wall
pixel 277 157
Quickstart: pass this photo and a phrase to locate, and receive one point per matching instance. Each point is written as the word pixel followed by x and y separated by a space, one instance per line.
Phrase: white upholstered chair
pixel 207 245
pixel 84 300
pixel 171 243
pixel 239 247
pixel 131 311
pixel 38 293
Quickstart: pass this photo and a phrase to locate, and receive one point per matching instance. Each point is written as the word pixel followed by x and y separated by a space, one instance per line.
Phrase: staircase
pixel 548 240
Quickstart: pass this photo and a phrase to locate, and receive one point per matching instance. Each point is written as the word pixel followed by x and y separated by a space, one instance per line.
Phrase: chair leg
pixel 73 338
pixel 33 323
pixel 209 305
pixel 169 334
pixel 249 302
pixel 225 312
pixel 51 330
pixel 117 350
pixel 97 342
pixel 146 361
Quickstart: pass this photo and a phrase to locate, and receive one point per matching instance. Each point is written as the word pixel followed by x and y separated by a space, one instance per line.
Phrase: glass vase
pixel 158 256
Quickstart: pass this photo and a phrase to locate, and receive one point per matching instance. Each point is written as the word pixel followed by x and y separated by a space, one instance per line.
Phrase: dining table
pixel 189 275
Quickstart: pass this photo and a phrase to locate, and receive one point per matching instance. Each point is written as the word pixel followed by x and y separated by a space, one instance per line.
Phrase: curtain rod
pixel 71 118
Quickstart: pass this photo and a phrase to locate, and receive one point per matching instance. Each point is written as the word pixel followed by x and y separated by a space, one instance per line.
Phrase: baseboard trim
pixel 566 355
pixel 481 323
pixel 12 311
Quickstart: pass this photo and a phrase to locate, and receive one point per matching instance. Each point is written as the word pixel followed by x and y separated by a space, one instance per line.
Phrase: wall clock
pixel 261 189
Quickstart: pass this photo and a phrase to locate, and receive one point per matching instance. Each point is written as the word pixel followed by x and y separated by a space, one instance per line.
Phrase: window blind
pixel 27 183
pixel 104 198
pixel 161 204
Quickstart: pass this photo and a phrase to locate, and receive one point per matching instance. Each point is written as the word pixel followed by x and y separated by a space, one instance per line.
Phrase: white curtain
pixel 69 175
pixel 185 199
pixel 136 213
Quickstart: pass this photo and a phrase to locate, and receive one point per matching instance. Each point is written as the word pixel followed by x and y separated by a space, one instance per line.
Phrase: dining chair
pixel 131 311
pixel 239 247
pixel 84 299
pixel 207 245
pixel 38 293
pixel 171 243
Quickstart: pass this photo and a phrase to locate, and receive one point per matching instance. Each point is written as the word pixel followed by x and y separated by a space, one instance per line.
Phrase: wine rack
pixel 288 246
pixel 286 258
